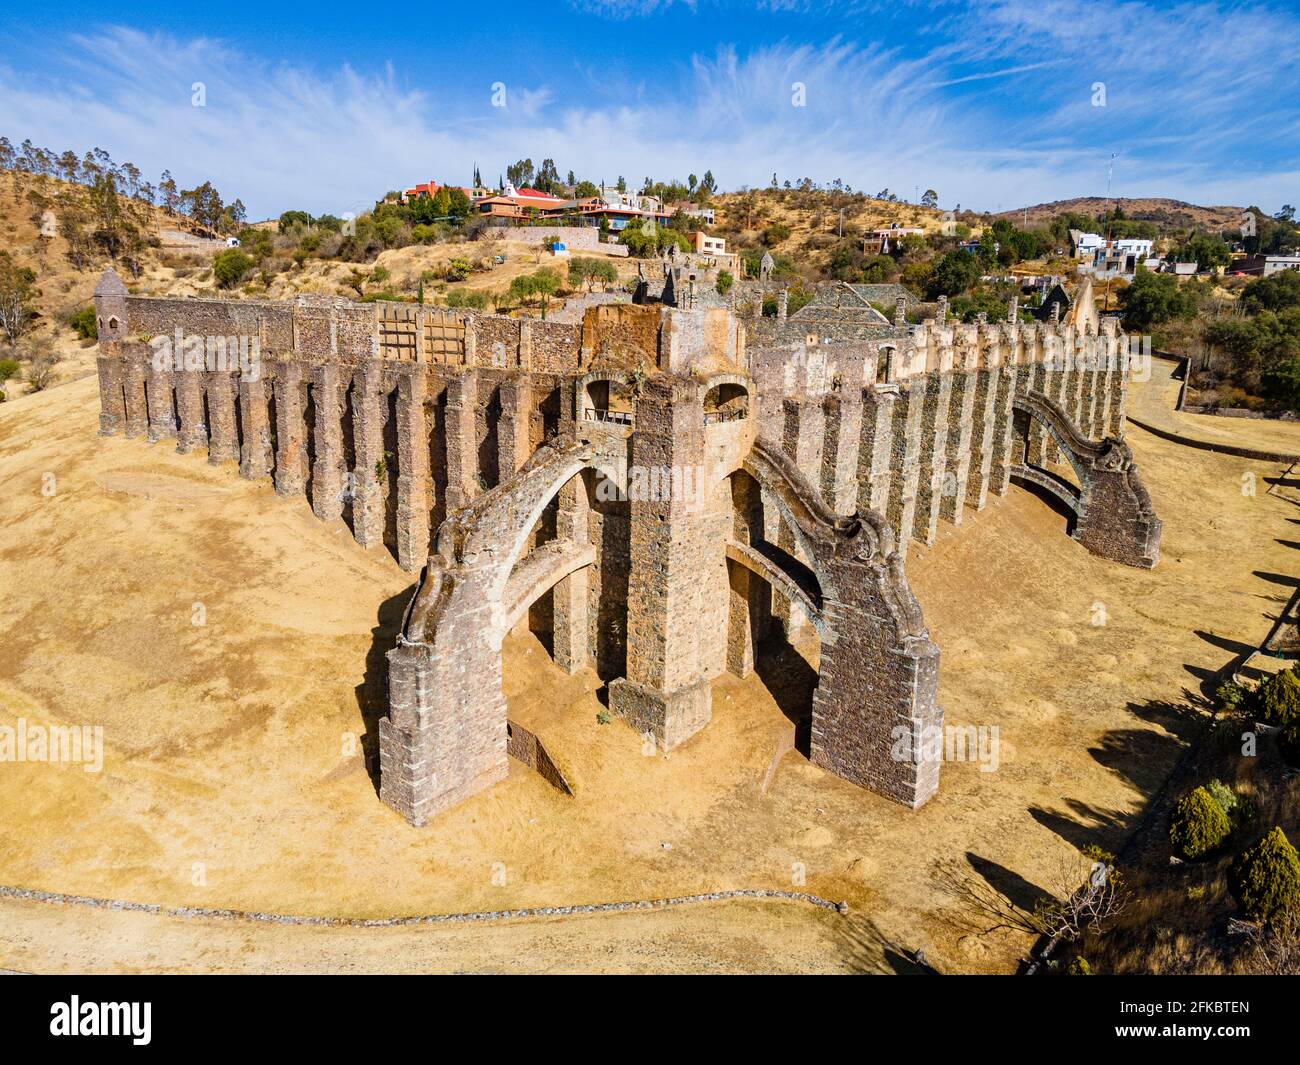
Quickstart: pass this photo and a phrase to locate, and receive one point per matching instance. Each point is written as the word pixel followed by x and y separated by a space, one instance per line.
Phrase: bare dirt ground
pixel 1154 403
pixel 233 774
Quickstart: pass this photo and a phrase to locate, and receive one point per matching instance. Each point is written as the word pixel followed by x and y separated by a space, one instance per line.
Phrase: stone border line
pixel 433 918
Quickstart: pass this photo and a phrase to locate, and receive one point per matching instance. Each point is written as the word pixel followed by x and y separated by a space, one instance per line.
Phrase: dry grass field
pixel 234 773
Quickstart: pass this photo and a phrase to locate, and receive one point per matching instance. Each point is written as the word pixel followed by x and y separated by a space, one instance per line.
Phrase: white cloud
pixel 995 111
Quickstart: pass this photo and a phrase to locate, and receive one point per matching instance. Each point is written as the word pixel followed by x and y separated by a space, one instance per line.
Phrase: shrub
pixel 1223 795
pixel 1289 744
pixel 1277 700
pixel 1198 824
pixel 1231 697
pixel 8 368
pixel 1079 967
pixel 230 266
pixel 1266 878
pixel 83 323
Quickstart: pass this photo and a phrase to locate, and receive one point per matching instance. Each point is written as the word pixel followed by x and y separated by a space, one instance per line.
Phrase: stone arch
pixel 445 735
pixel 874 710
pixel 1114 517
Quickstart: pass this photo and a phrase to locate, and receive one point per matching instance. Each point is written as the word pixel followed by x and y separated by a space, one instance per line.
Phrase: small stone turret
pixel 900 310
pixel 110 307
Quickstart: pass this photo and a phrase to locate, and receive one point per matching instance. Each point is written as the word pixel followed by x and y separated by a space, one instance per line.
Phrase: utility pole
pixel 1110 225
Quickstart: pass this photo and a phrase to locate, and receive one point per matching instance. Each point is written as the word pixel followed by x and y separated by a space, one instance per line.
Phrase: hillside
pixel 175 262
pixel 1166 213
pixel 752 219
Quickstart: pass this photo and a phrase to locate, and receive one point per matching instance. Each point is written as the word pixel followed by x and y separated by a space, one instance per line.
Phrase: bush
pixel 1277 700
pixel 1231 697
pixel 8 368
pixel 1198 825
pixel 1289 744
pixel 230 266
pixel 1266 878
pixel 83 323
pixel 1079 967
pixel 1223 795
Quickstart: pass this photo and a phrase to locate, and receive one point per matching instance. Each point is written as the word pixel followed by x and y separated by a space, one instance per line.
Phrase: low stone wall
pixel 577 238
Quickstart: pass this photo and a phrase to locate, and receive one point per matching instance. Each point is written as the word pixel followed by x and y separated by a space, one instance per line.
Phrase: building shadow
pixel 372 692
pixel 792 681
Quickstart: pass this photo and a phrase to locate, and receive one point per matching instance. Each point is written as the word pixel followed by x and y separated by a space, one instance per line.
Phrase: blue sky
pixel 993 104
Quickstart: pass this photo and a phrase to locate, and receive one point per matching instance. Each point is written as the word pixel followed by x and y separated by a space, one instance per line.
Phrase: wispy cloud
pixel 953 106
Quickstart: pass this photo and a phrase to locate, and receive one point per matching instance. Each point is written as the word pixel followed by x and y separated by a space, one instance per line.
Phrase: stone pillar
pixel 905 459
pixel 961 428
pixel 842 414
pixel 983 423
pixel 112 404
pixel 414 479
pixel 1117 391
pixel 327 465
pixel 462 454
pixel 255 457
pixel 513 443
pixel 803 436
pixel 934 456
pixel 291 456
pixel 874 452
pixel 666 693
pixel 571 634
pixel 162 410
pixel 1035 380
pixel 189 406
pixel 1003 427
pixel 222 430
pixel 368 412
pixel 782 305
pixel 137 408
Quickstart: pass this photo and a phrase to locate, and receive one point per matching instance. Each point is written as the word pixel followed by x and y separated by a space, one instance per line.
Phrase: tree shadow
pixel 1224 643
pixel 1277 578
pixel 1022 893
pixel 1090 825
pixel 372 692
pixel 868 951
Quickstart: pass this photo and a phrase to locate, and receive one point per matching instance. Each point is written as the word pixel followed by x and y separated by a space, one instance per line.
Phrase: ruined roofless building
pixel 645 487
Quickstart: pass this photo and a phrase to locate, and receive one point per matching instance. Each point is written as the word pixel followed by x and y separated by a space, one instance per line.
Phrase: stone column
pixel 255 457
pixel 368 411
pixel 905 460
pixel 189 406
pixel 570 599
pixel 842 415
pixel 983 426
pixel 875 450
pixel 1034 379
pixel 223 432
pixel 666 693
pixel 1003 428
pixel 934 455
pixel 513 443
pixel 291 457
pixel 327 467
pixel 162 412
pixel 1117 391
pixel 961 428
pixel 112 404
pixel 462 455
pixel 414 480
pixel 137 410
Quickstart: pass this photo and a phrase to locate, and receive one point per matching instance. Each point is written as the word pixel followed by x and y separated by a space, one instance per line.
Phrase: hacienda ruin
pixel 653 489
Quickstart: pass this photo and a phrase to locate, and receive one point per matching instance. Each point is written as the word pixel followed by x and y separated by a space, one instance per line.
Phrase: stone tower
pixel 110 307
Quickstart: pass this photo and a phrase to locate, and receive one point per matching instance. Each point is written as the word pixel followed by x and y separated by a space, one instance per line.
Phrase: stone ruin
pixel 647 489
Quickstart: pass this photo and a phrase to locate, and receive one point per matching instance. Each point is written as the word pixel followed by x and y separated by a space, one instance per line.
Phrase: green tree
pixel 1277 700
pixel 1266 878
pixel 83 323
pixel 954 273
pixel 18 294
pixel 1198 825
pixel 724 282
pixel 1206 250
pixel 1277 292
pixel 1154 299
pixel 230 266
